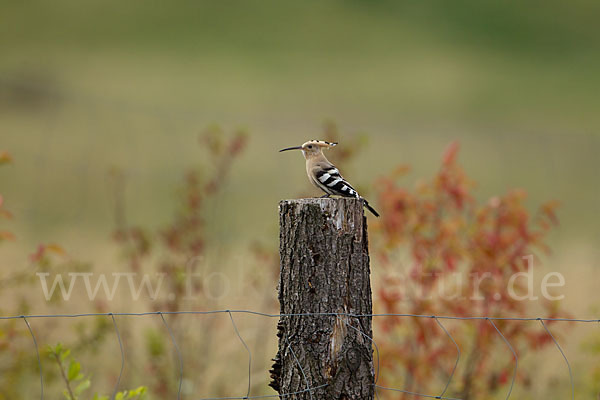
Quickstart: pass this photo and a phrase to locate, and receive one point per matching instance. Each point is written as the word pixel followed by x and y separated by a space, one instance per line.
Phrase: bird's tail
pixel 375 213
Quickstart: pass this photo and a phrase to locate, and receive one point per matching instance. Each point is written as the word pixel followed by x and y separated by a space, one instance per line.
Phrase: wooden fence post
pixel 324 269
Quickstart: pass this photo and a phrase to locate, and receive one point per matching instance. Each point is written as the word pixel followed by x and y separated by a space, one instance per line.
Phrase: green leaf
pixel 140 390
pixel 55 350
pixel 82 386
pixel 136 393
pixel 74 368
pixel 64 354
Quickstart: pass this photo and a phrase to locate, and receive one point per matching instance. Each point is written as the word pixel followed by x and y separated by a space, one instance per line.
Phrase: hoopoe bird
pixel 323 174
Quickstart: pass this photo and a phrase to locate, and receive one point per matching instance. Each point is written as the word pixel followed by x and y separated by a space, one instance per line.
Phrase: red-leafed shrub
pixel 445 253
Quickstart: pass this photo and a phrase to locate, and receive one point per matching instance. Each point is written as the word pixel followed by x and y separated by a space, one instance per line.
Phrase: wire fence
pixel 308 389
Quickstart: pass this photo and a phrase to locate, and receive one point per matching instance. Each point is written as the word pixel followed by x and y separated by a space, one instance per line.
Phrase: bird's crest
pixel 320 143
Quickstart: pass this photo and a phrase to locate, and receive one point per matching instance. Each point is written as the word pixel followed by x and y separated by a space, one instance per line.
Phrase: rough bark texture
pixel 324 269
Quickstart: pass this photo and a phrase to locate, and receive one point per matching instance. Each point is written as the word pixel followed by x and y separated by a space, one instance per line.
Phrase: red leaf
pixel 450 153
pixel 37 256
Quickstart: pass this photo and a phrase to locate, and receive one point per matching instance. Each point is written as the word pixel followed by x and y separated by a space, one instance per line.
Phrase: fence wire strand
pixel 377 352
pixel 266 396
pixel 308 389
pixel 457 355
pixel 289 346
pixel 416 394
pixel 37 352
pixel 177 352
pixel 249 353
pixel 374 344
pixel 116 389
pixel 263 314
pixel 512 382
pixel 564 356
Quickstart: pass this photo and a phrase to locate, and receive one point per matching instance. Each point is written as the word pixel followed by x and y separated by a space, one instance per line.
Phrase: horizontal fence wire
pixel 308 389
pixel 251 312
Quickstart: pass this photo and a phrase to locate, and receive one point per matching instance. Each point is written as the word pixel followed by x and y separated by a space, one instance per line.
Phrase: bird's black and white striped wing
pixel 331 182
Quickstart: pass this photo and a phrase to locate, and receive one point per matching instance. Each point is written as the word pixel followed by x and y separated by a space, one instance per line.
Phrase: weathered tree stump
pixel 324 270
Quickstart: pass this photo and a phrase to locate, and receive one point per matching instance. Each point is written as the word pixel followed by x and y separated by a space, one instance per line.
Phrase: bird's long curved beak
pixel 291 148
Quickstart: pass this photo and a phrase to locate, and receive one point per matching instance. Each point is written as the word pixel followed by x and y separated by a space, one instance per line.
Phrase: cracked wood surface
pixel 324 269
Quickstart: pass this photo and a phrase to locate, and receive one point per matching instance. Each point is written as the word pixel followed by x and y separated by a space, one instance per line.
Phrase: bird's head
pixel 312 147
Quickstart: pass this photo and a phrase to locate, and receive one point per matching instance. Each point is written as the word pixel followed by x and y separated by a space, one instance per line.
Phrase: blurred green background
pixel 86 87
pixel 89 85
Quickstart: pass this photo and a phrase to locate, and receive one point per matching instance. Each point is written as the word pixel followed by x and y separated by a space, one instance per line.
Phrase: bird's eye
pixel 310 146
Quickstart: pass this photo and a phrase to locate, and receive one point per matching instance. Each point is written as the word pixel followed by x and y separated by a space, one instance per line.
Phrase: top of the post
pixel 345 213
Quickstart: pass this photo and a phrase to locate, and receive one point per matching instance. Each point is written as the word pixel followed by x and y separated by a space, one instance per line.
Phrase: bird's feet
pixel 325 196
